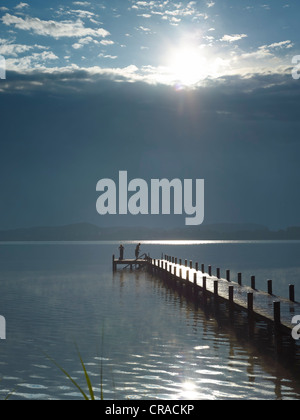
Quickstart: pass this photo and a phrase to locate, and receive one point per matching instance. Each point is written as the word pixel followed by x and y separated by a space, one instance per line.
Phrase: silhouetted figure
pixel 137 251
pixel 121 248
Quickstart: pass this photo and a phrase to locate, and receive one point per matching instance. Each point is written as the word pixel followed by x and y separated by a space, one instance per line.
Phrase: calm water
pixel 153 343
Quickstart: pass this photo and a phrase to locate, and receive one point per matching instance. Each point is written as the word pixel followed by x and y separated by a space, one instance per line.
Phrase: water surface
pixel 153 343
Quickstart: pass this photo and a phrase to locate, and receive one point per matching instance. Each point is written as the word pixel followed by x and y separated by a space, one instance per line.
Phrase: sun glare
pixel 187 66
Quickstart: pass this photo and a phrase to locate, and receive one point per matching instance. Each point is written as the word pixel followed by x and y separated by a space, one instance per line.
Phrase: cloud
pixel 74 76
pixel 106 42
pixel 10 49
pixel 22 6
pixel 169 11
pixel 68 29
pixel 282 44
pixel 111 57
pixel 81 3
pixel 233 38
pixel 84 41
pixel 268 51
pixel 35 60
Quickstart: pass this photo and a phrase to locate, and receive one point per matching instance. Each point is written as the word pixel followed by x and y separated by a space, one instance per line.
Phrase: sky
pixel 162 89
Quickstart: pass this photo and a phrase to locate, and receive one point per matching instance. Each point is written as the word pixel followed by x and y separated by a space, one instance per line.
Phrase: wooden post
pixel 277 315
pixel 292 292
pixel 113 264
pixel 180 261
pixel 253 281
pixel 228 275
pixel 270 287
pixel 185 263
pixel 204 280
pixel 240 279
pixel 173 260
pixel 250 302
pixel 216 287
pixel 218 273
pixel 188 275
pixel 202 268
pixel 176 261
pixel 210 270
pixel 175 271
pixel 195 288
pixel 231 291
pixel 197 266
pixel 191 265
pixel 195 279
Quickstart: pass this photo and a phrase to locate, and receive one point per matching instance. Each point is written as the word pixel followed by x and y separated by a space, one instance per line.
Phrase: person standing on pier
pixel 121 248
pixel 137 251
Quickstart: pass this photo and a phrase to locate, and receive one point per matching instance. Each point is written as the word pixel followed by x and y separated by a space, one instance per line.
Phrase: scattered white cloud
pixel 84 41
pixel 142 28
pixel 111 57
pixel 265 6
pixel 53 28
pixel 34 61
pixel 145 15
pixel 22 6
pixel 210 4
pixel 169 11
pixel 282 44
pixel 106 42
pixel 9 48
pixel 89 40
pixel 267 51
pixel 82 14
pixel 82 3
pixel 233 38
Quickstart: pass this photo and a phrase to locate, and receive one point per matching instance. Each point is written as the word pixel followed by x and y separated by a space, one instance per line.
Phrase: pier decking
pixel 202 284
pixel 128 263
pixel 258 304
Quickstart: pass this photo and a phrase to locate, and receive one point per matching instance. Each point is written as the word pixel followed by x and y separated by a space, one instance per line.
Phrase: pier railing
pixel 201 283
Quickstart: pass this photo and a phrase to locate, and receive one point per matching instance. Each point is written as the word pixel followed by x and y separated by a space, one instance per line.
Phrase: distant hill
pixel 89 232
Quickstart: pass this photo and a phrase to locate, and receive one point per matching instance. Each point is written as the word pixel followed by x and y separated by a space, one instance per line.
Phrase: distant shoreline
pixel 84 232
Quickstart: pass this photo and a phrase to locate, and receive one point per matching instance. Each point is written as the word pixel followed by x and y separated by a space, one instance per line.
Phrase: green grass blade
pixel 69 377
pixel 87 378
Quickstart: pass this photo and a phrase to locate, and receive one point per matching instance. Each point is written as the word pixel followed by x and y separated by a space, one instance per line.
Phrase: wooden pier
pixel 202 284
pixel 138 263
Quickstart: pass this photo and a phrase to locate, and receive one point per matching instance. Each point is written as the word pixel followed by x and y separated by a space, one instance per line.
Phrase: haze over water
pixel 153 343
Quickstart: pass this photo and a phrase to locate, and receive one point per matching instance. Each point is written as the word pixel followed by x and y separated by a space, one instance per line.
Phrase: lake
pixel 151 342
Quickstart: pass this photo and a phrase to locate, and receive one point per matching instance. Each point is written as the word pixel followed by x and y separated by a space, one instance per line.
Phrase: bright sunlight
pixel 187 65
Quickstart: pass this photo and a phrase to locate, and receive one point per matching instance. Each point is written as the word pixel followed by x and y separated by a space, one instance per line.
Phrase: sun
pixel 186 65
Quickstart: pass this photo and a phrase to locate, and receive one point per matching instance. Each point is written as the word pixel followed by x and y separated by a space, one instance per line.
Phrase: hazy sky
pixel 199 89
